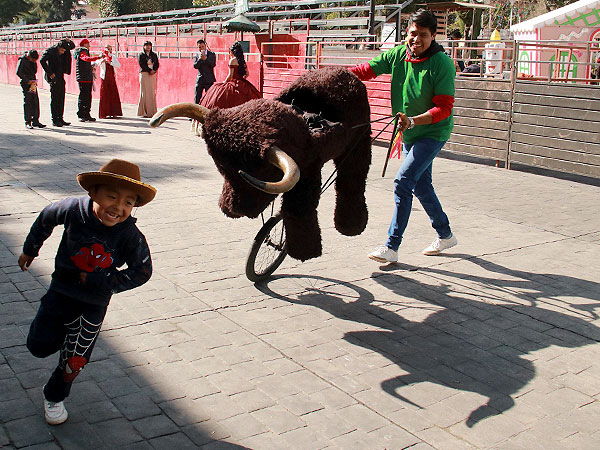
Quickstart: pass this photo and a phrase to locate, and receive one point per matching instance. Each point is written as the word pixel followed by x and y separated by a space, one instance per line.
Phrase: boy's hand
pixel 25 261
pixel 82 277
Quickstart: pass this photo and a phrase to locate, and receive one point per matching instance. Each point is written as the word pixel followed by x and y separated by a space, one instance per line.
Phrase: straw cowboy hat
pixel 118 171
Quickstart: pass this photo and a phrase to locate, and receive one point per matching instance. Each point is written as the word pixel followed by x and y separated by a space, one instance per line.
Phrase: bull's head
pixel 236 167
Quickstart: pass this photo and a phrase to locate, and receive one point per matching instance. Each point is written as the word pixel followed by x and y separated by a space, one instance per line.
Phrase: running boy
pixel 99 237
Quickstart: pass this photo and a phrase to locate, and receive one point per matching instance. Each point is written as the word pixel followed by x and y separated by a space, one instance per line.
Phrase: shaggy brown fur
pixel 237 139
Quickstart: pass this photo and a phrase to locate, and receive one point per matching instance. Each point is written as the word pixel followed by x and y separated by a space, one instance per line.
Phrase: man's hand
pixel 25 261
pixel 403 121
pixel 51 76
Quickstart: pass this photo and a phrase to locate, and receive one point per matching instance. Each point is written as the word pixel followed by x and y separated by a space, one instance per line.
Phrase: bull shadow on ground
pixel 473 340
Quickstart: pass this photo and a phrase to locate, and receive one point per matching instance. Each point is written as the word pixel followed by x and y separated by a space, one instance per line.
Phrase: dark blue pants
pixel 200 88
pixel 31 105
pixel 84 102
pixel 57 99
pixel 69 326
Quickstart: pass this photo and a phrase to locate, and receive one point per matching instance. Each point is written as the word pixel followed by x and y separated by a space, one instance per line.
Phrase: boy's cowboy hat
pixel 120 172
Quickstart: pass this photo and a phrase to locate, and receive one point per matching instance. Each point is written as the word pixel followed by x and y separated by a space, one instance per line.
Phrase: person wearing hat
pixel 26 71
pixel 99 238
pixel 56 62
pixel 85 78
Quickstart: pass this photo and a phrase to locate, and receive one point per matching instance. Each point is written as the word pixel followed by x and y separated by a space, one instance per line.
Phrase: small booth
pixel 577 25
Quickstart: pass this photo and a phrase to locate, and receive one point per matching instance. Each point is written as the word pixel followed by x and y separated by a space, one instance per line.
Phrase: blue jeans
pixel 414 177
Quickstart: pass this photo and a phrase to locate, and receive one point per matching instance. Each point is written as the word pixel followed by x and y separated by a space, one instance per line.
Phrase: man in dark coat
pixel 26 71
pixel 56 62
pixel 85 78
pixel 205 62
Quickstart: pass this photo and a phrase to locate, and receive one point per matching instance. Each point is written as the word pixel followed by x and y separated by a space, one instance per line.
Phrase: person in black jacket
pixel 26 71
pixel 205 62
pixel 56 62
pixel 99 237
pixel 85 78
pixel 148 61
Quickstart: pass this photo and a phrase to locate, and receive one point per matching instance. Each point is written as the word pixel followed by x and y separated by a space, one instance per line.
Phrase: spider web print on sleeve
pixel 81 334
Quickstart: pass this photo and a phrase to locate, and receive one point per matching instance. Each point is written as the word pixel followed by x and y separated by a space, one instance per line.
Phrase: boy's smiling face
pixel 112 204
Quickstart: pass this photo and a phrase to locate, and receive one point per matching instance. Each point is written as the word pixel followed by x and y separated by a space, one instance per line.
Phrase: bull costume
pixel 56 62
pixel 253 143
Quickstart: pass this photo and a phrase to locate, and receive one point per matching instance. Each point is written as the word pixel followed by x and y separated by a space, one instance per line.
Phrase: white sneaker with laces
pixel 55 413
pixel 439 245
pixel 384 254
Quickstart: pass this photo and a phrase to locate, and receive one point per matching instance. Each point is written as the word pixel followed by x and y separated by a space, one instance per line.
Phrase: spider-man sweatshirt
pixel 89 246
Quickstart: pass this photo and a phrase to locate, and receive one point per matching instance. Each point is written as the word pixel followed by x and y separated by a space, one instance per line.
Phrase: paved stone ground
pixel 491 346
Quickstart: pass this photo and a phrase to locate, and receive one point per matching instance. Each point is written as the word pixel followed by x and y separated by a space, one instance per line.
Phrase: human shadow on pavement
pixel 468 342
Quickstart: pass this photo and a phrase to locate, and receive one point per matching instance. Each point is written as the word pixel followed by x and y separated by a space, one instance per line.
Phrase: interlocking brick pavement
pixel 493 345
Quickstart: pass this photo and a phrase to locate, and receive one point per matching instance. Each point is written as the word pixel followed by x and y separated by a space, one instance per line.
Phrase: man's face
pixel 112 204
pixel 61 50
pixel 202 46
pixel 86 45
pixel 419 39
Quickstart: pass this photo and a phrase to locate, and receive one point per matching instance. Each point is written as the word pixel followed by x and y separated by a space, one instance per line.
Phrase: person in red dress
pixel 236 89
pixel 110 102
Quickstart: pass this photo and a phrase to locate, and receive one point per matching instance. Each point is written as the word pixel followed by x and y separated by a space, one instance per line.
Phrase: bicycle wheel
pixel 267 251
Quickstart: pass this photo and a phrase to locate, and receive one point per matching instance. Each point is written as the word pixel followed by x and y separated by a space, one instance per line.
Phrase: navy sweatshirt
pixel 89 246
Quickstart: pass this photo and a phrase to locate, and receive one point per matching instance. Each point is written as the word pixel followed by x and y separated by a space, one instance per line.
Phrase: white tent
pixel 581 11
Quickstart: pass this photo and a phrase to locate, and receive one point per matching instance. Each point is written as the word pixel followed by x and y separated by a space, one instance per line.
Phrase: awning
pixel 241 23
pixel 559 15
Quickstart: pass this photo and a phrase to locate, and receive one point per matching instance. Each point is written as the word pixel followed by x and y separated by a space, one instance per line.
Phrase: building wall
pixel 176 75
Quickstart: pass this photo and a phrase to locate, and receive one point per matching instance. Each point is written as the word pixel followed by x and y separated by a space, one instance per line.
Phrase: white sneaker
pixel 384 254
pixel 55 413
pixel 439 245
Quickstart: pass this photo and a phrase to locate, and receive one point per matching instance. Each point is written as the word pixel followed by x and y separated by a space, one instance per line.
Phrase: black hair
pixel 455 34
pixel 33 54
pixel 67 44
pixel 424 18
pixel 148 43
pixel 238 52
pixel 200 41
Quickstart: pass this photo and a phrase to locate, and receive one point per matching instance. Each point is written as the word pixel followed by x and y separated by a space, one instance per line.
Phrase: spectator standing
pixel 455 36
pixel 85 77
pixel 148 61
pixel 205 62
pixel 56 62
pixel 422 92
pixel 26 71
pixel 110 102
pixel 236 89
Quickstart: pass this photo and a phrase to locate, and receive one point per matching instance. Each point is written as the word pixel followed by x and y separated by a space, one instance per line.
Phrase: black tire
pixel 267 251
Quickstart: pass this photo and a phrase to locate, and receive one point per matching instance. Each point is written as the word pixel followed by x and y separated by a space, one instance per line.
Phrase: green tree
pixel 42 11
pixel 111 8
pixel 10 10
